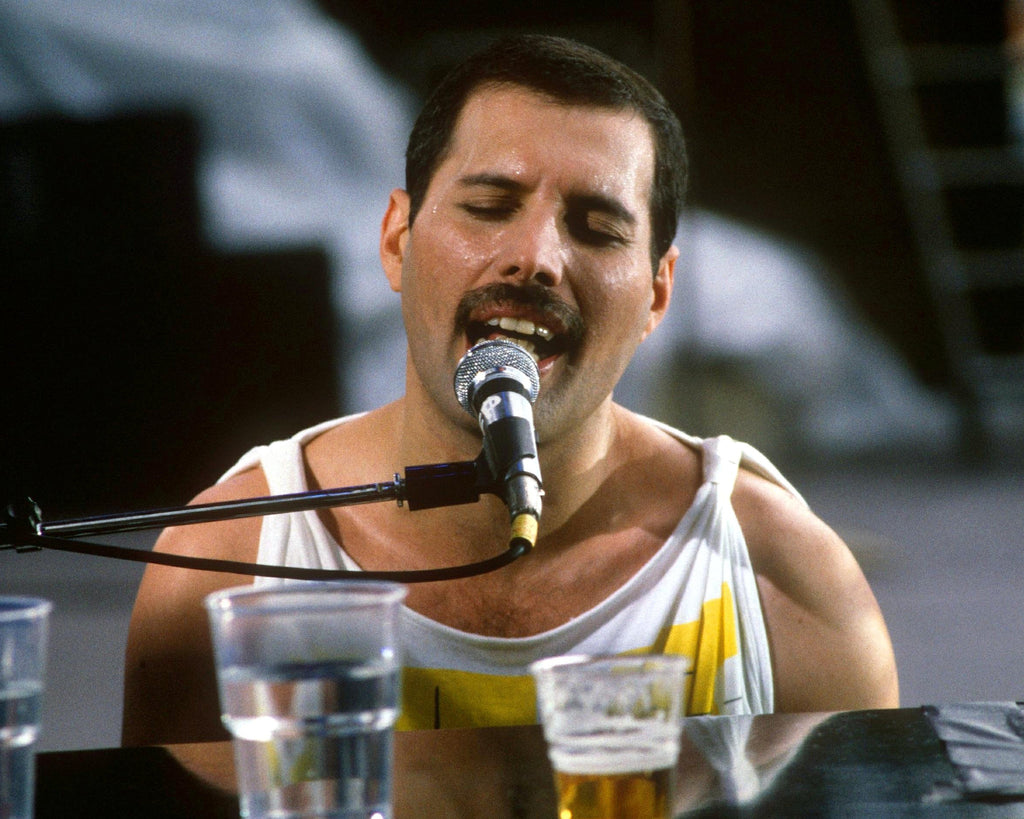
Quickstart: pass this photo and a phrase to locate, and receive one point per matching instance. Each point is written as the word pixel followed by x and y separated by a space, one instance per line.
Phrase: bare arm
pixel 829 644
pixel 170 689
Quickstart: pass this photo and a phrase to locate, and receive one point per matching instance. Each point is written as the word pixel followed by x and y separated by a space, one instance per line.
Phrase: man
pixel 544 183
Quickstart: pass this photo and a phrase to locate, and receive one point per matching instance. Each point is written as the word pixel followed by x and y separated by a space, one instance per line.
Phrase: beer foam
pixel 612 761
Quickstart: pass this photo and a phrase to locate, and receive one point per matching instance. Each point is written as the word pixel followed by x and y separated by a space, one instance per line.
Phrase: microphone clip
pixel 429 486
pixel 19 522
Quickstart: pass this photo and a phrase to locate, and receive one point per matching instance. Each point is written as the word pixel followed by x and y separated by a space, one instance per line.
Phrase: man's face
pixel 535 227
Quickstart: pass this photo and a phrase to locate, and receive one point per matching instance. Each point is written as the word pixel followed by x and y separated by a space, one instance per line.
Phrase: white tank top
pixel 696 596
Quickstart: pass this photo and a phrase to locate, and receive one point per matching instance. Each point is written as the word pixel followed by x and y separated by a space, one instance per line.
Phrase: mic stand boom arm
pixel 423 487
pixel 460 484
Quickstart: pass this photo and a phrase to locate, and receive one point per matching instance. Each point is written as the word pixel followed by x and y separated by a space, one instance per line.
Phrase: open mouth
pixel 527 315
pixel 540 341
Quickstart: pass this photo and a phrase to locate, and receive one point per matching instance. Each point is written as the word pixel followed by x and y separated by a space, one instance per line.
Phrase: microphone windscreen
pixel 493 355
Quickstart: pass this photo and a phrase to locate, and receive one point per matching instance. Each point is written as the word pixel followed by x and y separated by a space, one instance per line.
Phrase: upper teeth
pixel 523 326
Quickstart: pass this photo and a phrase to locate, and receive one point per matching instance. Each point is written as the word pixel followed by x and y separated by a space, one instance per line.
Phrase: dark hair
pixel 570 73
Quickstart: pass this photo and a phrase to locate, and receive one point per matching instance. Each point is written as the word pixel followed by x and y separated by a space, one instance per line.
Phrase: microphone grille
pixel 493 355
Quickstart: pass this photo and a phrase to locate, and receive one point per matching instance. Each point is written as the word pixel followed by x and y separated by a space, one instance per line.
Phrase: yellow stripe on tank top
pixel 482 699
pixel 496 699
pixel 709 642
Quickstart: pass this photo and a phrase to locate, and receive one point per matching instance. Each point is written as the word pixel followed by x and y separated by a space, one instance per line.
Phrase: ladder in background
pixel 962 181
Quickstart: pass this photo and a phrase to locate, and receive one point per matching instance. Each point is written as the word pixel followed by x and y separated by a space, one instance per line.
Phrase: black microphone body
pixel 497 382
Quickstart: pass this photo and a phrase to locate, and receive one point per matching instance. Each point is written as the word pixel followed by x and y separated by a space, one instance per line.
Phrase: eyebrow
pixel 491 180
pixel 586 201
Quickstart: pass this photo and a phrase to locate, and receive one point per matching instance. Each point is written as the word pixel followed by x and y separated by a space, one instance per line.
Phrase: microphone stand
pixel 424 487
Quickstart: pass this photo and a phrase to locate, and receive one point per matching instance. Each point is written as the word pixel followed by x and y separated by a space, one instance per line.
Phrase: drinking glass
pixel 309 676
pixel 613 728
pixel 24 625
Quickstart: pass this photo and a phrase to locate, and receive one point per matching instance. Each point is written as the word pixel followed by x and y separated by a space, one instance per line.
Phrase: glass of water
pixel 613 727
pixel 23 633
pixel 310 680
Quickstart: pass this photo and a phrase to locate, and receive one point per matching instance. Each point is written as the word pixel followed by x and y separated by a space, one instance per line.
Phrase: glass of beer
pixel 613 728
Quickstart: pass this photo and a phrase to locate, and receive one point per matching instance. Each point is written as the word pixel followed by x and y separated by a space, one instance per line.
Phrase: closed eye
pixel 596 230
pixel 489 212
pixel 600 221
pixel 490 196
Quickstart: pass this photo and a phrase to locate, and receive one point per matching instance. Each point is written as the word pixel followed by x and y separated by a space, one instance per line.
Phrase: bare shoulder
pixel 229 539
pixel 170 690
pixel 663 453
pixel 353 452
pixel 236 540
pixel 829 643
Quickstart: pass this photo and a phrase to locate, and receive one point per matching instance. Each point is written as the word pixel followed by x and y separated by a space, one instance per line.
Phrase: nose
pixel 534 251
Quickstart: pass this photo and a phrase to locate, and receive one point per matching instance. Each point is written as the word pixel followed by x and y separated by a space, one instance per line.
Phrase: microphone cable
pixel 518 546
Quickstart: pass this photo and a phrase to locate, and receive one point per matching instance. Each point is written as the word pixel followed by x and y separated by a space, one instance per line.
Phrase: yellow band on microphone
pixel 524 527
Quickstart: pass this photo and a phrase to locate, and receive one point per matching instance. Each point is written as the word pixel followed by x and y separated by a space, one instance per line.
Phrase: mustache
pixel 533 296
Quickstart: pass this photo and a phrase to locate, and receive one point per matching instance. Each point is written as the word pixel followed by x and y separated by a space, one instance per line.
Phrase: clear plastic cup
pixel 310 678
pixel 24 629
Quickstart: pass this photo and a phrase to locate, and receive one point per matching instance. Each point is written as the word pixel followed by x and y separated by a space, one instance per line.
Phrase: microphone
pixel 497 382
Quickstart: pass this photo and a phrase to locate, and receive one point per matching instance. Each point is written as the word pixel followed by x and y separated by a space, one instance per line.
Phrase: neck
pixel 574 460
pixel 426 433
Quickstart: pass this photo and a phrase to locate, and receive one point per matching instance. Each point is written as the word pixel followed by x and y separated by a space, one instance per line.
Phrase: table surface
pixel 862 763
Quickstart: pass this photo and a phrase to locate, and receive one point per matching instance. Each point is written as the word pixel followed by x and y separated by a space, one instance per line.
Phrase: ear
pixel 394 235
pixel 661 294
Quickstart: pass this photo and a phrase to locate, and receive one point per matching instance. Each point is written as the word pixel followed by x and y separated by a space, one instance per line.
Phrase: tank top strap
pixel 284 467
pixel 722 457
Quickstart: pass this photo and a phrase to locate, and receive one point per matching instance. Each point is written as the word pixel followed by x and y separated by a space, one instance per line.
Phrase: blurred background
pixel 190 195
